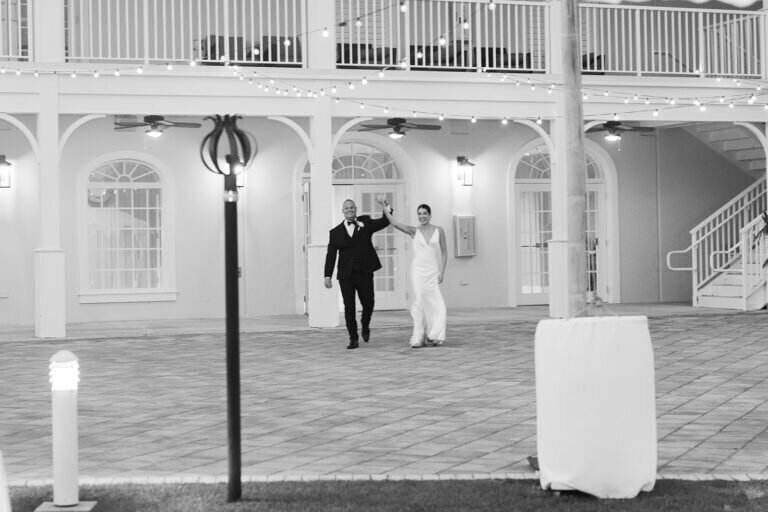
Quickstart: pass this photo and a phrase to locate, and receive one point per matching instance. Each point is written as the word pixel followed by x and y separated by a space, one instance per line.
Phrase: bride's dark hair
pixel 426 207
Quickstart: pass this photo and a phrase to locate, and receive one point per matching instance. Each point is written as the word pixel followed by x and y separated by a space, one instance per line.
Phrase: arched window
pixel 535 165
pixel 125 228
pixel 354 161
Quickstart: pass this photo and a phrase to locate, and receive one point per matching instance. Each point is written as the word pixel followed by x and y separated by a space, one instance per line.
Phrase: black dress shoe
pixel 366 336
pixel 352 344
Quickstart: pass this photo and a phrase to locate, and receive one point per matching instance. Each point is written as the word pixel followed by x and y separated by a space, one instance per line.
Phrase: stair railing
pixel 754 248
pixel 720 232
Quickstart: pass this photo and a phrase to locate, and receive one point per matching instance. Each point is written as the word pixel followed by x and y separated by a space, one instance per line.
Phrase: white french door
pixel 534 232
pixel 389 281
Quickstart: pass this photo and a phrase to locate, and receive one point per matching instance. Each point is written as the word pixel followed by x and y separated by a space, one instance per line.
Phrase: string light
pixel 403 6
pixel 325 32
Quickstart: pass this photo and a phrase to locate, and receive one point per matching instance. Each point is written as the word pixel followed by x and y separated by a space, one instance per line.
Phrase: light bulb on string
pixel 441 117
pixel 491 5
pixel 538 120
pixel 381 73
pixel 169 66
pixel 364 81
pixel 504 121
pixel 325 32
pixel 656 113
pixel 403 6
pixel 474 119
pixel 358 22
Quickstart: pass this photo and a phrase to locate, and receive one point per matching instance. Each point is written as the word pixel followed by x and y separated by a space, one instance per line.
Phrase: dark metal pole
pixel 233 337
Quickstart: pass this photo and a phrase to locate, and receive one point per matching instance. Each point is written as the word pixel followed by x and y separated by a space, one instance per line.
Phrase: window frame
pixel 166 289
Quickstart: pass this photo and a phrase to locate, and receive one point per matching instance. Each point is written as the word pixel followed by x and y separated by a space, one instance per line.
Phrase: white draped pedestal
pixel 5 500
pixel 595 405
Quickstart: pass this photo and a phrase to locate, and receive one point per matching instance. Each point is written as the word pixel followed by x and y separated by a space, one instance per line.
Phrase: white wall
pixel 18 230
pixel 694 181
pixel 658 204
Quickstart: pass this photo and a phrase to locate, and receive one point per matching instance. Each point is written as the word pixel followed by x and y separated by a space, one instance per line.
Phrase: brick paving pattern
pixel 153 407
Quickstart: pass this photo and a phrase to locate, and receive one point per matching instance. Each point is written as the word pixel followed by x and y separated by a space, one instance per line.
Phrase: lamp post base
pixel 83 506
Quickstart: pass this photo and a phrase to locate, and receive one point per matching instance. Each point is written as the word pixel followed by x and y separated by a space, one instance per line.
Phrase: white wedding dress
pixel 428 308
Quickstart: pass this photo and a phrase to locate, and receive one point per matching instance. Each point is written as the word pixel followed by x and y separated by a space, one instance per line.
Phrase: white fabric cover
pixel 595 405
pixel 5 499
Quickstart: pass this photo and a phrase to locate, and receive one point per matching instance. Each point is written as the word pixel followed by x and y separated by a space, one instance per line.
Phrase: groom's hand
pixel 328 283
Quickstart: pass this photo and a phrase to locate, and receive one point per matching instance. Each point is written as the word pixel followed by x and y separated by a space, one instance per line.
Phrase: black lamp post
pixel 237 151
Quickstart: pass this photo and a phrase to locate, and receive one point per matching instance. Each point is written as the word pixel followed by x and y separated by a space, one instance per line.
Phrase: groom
pixel 357 262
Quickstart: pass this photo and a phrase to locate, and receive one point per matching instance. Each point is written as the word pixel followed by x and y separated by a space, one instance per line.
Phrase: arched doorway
pixel 533 225
pixel 361 172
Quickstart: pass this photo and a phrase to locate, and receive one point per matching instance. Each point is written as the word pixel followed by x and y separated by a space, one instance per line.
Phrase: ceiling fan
pixel 613 129
pixel 399 126
pixel 156 124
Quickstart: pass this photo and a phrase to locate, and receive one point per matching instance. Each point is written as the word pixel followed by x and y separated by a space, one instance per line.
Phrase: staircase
pixel 729 253
pixel 734 142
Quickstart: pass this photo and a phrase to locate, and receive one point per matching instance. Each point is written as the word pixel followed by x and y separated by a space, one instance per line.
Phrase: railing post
pixel 764 39
pixel 702 45
pixel 638 44
pixel 554 48
pixel 146 33
pixel 695 272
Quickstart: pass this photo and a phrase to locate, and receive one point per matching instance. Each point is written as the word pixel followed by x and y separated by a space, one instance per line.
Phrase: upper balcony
pixel 505 36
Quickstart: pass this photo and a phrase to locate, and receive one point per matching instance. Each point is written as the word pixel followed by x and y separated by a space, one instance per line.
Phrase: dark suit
pixel 357 263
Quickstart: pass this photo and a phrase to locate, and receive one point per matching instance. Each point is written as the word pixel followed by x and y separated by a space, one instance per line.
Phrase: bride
pixel 427 270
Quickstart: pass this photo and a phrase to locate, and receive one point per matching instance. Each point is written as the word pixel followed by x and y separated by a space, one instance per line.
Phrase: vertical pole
pixel 233 335
pixel 65 471
pixel 574 160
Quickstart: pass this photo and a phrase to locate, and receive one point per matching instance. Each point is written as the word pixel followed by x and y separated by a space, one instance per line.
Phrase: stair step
pixel 757 165
pixel 711 127
pixel 733 133
pixel 750 154
pixel 724 290
pixel 730 279
pixel 738 144
pixel 709 301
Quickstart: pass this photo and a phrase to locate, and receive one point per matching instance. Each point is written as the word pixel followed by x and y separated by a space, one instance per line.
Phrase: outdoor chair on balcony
pixel 273 52
pixel 428 57
pixel 592 64
pixel 355 54
pixel 217 50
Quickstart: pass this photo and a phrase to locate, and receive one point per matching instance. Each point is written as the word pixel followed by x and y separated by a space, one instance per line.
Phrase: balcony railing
pixel 14 30
pixel 451 35
pixel 659 41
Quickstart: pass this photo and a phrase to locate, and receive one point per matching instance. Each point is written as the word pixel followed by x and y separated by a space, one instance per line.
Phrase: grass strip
pixel 404 496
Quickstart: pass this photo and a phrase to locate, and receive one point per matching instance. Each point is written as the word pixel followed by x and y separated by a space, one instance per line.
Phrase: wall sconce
pixel 5 172
pixel 465 174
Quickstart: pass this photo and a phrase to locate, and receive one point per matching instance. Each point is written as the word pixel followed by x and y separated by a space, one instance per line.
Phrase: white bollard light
pixel 64 373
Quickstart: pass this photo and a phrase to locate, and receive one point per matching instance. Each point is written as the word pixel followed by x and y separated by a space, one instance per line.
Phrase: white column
pixel 48 23
pixel 50 285
pixel 321 51
pixel 322 302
